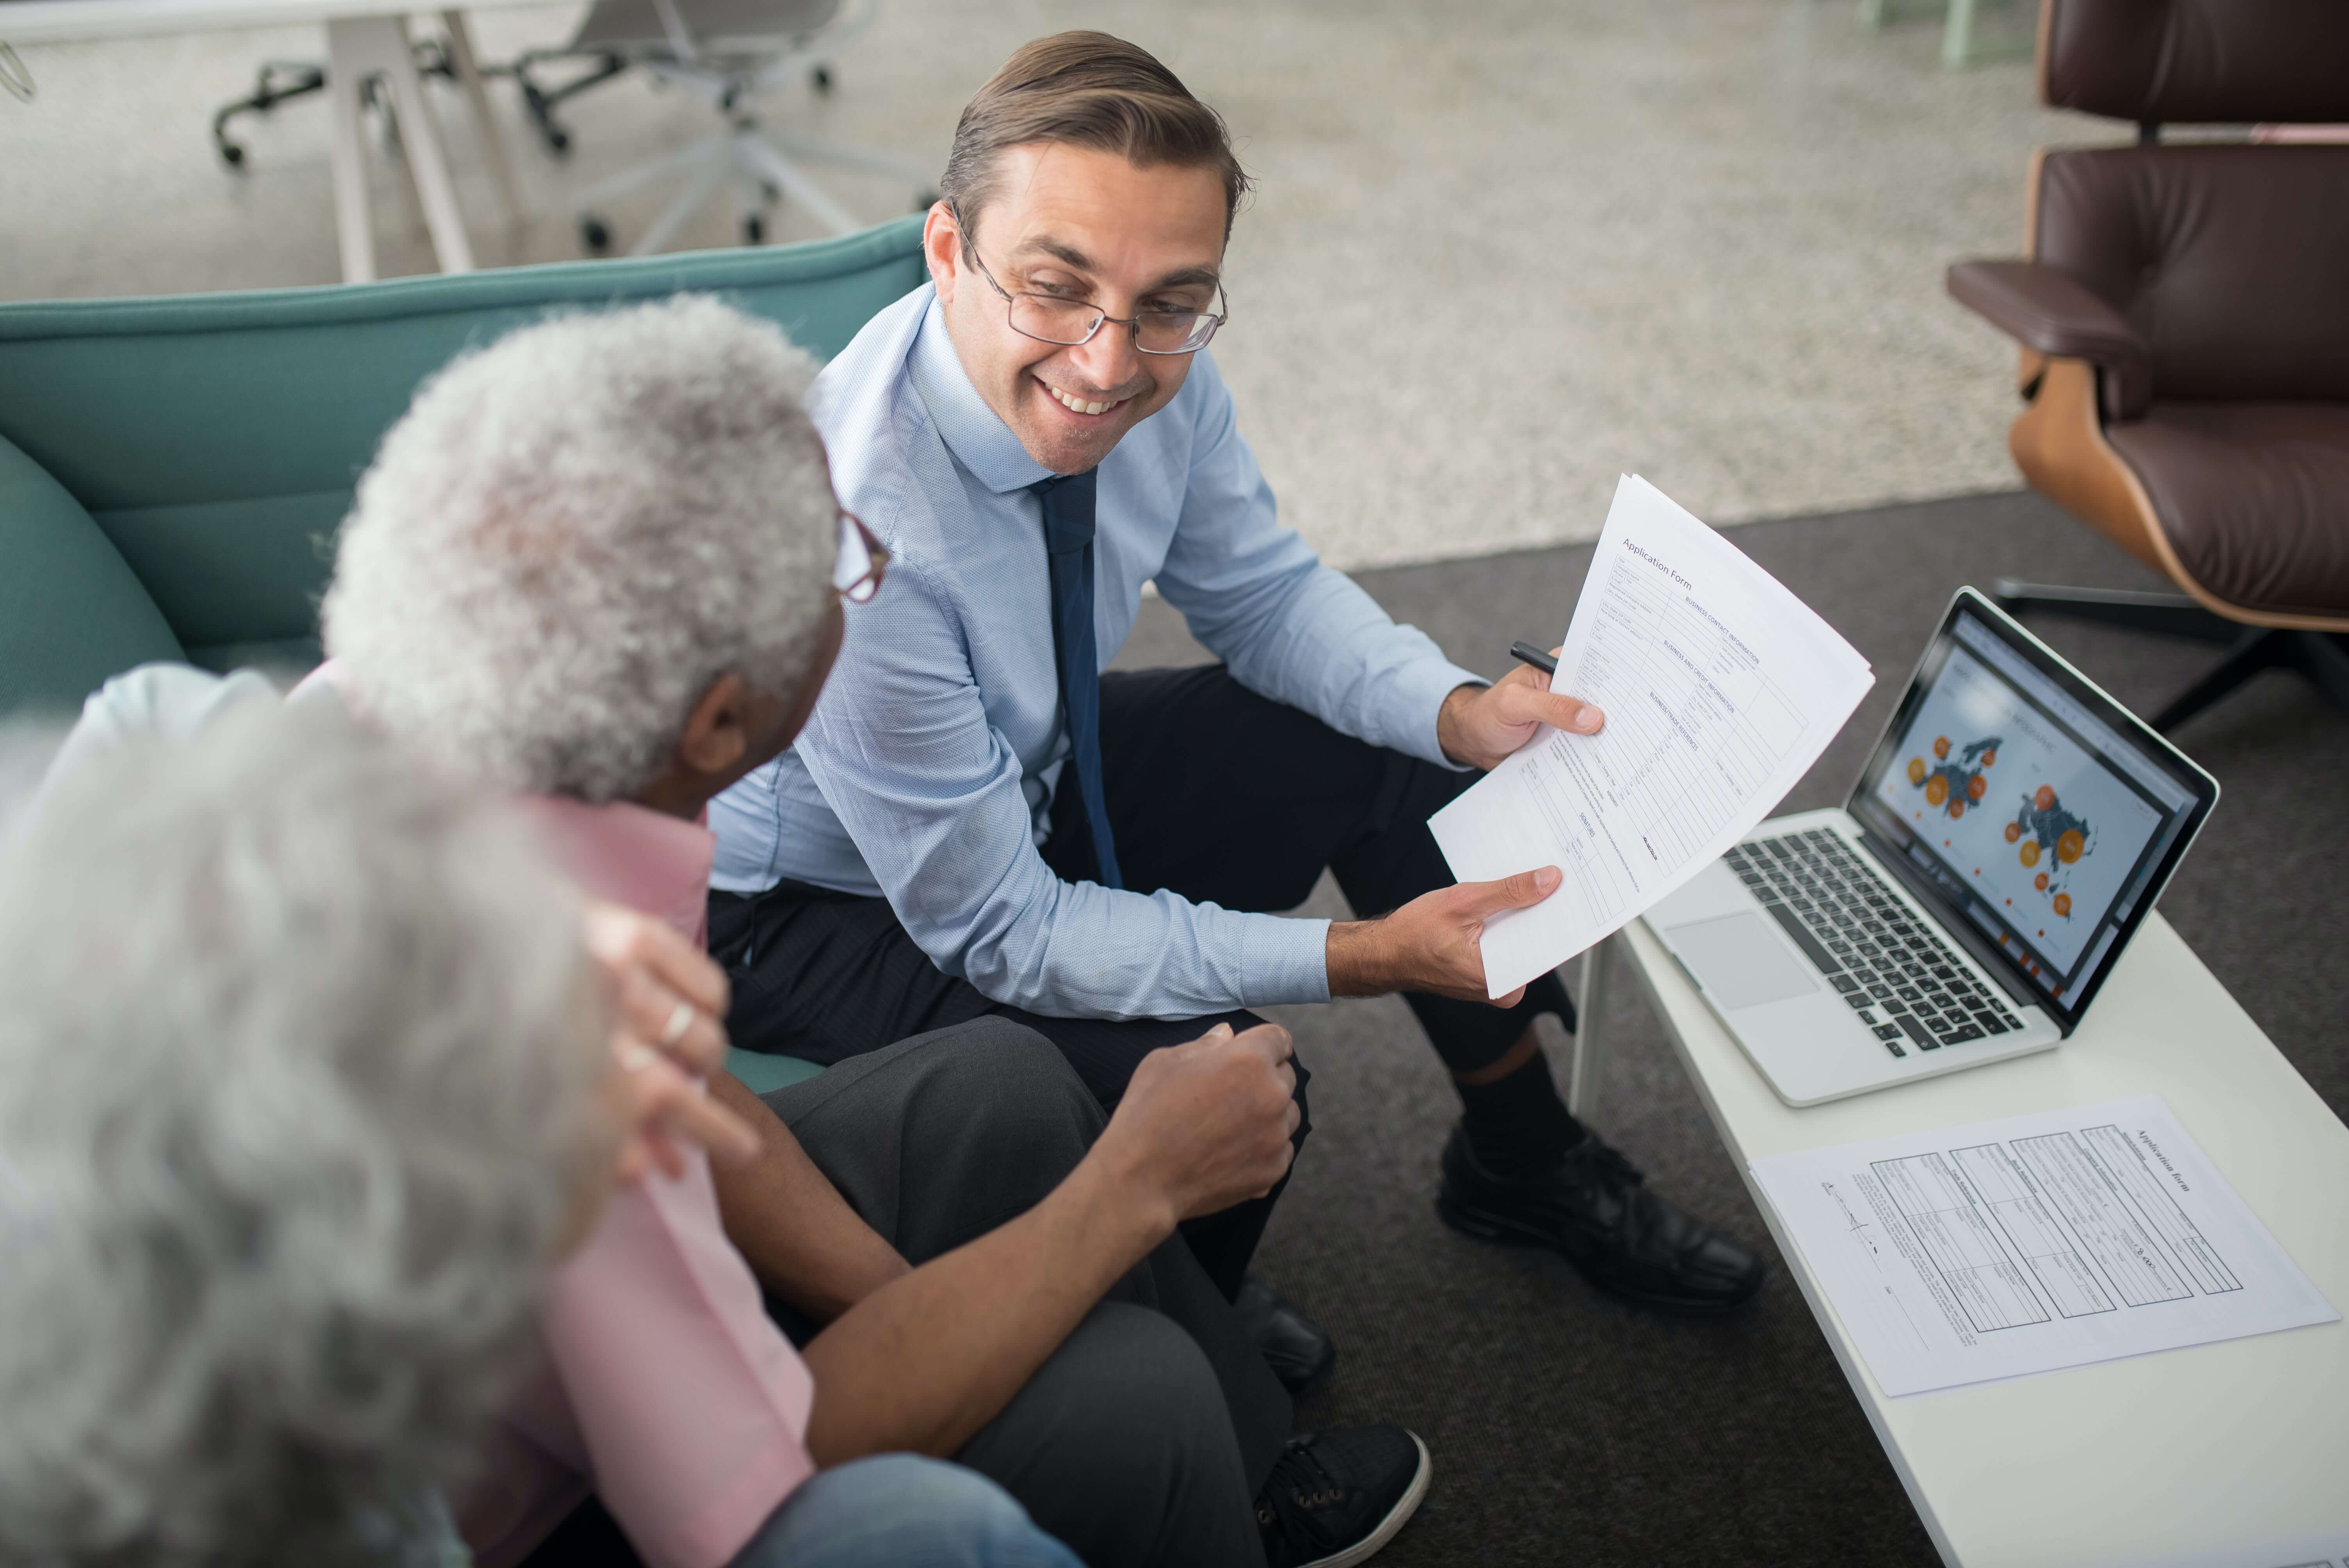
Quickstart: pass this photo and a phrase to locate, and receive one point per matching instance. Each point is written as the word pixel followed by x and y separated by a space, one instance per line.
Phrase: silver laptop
pixel 2005 841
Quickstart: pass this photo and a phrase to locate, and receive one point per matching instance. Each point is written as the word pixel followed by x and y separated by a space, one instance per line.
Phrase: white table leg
pixel 494 145
pixel 1590 1003
pixel 360 46
pixel 354 225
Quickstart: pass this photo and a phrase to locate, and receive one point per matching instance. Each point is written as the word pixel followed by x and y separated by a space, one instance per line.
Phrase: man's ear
pixel 942 249
pixel 715 737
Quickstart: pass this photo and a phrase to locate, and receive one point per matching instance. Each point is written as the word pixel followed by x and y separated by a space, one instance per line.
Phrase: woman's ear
pixel 716 734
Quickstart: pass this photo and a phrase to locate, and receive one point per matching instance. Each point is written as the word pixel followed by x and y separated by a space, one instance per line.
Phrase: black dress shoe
pixel 1297 1349
pixel 1594 1208
pixel 1336 1497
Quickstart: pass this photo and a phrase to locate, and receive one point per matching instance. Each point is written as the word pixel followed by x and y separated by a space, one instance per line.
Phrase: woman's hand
pixel 668 1034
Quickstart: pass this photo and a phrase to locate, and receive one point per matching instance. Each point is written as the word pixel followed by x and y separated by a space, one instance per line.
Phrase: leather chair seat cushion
pixel 2254 498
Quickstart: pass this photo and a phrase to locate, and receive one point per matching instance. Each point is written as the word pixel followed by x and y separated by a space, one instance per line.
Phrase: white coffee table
pixel 2235 1453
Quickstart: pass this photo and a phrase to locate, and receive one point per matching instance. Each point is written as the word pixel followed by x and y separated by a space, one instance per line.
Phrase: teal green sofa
pixel 172 470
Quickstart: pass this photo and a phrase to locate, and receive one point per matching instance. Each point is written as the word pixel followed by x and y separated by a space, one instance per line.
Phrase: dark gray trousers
pixel 1144 1438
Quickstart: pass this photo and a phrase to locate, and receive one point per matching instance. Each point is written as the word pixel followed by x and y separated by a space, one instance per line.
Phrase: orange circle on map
pixel 1975 787
pixel 2068 845
pixel 2064 903
pixel 1957 808
pixel 1990 758
pixel 2040 881
pixel 1937 790
pixel 1915 770
pixel 2031 852
pixel 2044 800
pixel 1941 746
pixel 2013 832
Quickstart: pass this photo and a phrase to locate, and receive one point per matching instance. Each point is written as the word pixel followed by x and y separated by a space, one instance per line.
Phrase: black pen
pixel 1526 653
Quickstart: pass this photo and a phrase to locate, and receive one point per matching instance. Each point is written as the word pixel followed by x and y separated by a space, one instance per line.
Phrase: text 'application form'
pixel 1720 688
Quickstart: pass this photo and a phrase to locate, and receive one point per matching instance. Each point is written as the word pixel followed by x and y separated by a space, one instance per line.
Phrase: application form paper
pixel 2031 1243
pixel 1720 688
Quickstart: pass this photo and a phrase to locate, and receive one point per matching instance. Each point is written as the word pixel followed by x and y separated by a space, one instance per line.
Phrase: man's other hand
pixel 1207 1125
pixel 1479 725
pixel 1432 943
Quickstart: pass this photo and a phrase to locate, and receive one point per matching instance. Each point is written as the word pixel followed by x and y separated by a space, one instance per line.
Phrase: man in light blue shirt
pixel 977 820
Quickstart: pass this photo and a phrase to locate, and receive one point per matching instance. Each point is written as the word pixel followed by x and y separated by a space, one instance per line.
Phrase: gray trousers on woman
pixel 1144 1438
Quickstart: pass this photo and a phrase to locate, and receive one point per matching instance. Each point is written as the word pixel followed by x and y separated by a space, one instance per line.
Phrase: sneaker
pixel 1299 1350
pixel 1336 1497
pixel 1595 1209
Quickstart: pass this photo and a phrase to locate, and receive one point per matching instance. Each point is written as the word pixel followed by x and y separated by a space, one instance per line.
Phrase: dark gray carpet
pixel 1566 1430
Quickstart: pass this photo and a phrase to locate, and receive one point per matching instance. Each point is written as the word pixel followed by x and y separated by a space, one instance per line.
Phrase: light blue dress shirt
pixel 926 774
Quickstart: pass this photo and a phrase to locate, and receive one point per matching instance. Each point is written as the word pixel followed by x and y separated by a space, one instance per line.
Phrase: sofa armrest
pixel 2047 309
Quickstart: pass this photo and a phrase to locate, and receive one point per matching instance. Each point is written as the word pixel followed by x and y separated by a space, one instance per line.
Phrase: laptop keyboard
pixel 1894 970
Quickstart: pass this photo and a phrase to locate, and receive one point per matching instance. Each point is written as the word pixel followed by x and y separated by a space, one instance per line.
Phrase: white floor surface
pixel 1499 254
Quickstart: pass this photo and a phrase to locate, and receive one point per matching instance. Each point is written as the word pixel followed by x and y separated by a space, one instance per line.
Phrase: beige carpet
pixel 1500 253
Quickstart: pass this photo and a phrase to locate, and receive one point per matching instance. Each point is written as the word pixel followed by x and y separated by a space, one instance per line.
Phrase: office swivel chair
pixel 728 52
pixel 282 81
pixel 2184 318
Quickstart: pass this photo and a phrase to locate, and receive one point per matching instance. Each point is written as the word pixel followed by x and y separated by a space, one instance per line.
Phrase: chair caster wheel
pixel 558 141
pixel 232 155
pixel 821 77
pixel 594 235
pixel 754 229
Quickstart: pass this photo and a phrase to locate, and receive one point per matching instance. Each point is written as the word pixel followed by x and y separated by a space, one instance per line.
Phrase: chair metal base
pixel 2321 656
pixel 762 164
pixel 540 102
pixel 278 81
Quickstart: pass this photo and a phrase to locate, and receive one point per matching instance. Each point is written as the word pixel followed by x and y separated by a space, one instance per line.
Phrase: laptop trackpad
pixel 1740 960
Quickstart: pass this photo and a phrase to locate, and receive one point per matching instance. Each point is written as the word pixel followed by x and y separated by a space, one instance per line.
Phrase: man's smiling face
pixel 1076 223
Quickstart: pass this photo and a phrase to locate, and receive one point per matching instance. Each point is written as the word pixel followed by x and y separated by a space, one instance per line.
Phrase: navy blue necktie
pixel 1068 502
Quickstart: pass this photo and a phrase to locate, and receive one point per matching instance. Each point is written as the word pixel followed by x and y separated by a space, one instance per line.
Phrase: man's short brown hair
pixel 1086 89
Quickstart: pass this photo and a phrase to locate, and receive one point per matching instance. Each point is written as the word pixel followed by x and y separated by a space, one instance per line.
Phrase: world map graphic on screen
pixel 2049 839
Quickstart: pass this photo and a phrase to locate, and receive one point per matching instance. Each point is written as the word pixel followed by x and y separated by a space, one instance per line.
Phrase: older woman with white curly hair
pixel 305 1090
pixel 593 563
pixel 299 1099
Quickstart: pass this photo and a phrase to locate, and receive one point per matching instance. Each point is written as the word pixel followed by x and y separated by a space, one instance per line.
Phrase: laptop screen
pixel 2036 806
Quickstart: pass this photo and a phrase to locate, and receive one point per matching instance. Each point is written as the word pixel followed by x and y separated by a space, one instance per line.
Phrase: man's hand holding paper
pixel 1433 943
pixel 1720 688
pixel 1482 726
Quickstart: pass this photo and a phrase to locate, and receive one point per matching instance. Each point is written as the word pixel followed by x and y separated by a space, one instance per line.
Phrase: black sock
pixel 1518 1125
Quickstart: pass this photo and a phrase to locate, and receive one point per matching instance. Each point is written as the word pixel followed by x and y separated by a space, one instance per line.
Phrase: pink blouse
pixel 666 1388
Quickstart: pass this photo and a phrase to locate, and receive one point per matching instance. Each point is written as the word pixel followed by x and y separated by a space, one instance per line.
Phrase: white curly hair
pixel 574 532
pixel 300 1078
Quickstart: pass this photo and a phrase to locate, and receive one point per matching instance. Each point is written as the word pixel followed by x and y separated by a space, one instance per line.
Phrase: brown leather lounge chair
pixel 2184 317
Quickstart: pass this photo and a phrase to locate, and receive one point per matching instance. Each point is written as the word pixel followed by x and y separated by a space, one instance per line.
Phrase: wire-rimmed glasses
pixel 862 560
pixel 1048 318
